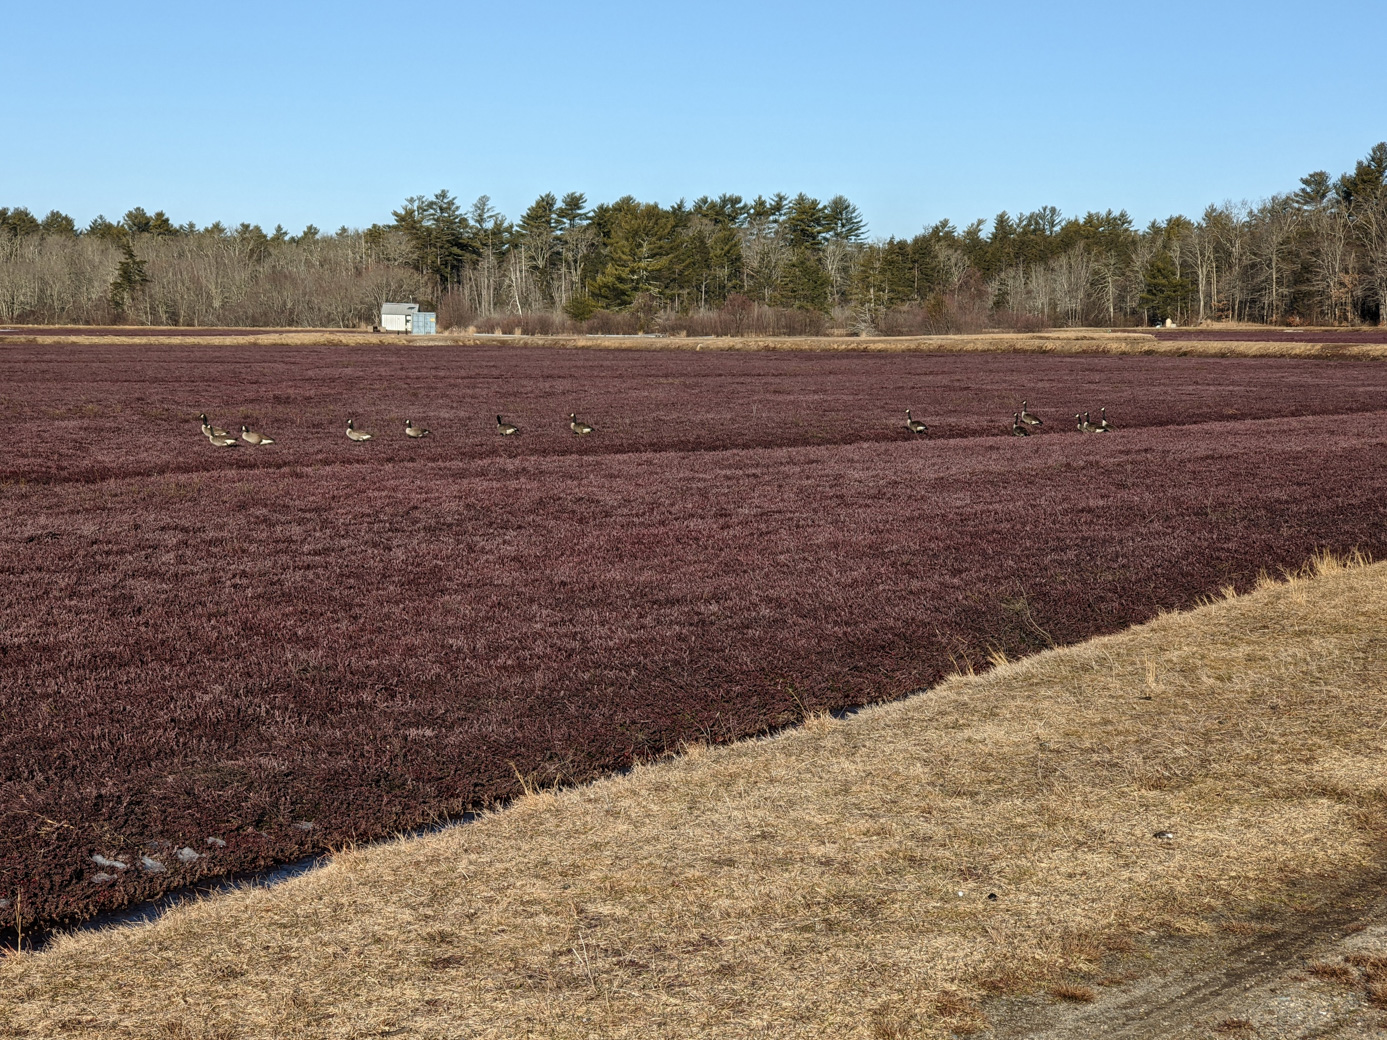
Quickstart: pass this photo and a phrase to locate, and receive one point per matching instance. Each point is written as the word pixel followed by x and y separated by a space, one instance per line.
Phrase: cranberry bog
pixel 216 660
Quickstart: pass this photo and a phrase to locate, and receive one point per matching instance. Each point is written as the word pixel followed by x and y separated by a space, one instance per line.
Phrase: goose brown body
pixel 577 426
pixel 208 430
pixel 506 429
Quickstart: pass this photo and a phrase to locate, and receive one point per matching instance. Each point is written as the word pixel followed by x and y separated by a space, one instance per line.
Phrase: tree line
pixel 1316 254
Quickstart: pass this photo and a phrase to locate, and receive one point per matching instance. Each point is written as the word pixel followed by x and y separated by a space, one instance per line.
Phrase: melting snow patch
pixel 102 861
pixel 150 865
pixel 216 842
pixel 187 855
pixel 102 877
pixel 303 825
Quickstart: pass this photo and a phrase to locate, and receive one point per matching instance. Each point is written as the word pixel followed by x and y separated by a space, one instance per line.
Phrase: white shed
pixel 398 317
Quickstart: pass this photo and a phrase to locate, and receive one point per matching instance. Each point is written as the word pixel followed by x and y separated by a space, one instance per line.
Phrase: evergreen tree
pixel 804 283
pixel 805 223
pixel 641 254
pixel 572 210
pixel 130 277
pixel 1315 190
pixel 18 223
pixel 1368 177
pixel 137 221
pixel 102 229
pixel 58 224
pixel 438 234
pixel 1166 295
pixel 844 220
pixel 161 226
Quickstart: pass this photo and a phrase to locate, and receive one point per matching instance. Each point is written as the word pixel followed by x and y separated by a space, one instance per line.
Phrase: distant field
pixel 1209 340
pixel 1246 334
pixel 286 648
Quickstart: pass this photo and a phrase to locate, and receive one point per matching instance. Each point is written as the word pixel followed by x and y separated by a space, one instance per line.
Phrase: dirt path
pixel 1260 986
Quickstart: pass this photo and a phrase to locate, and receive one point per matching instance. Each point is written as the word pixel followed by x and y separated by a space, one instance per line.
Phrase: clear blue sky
pixel 332 113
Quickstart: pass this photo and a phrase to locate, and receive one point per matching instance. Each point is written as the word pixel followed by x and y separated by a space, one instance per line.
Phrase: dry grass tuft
pixel 1374 965
pixel 786 886
pixel 1234 1025
pixel 1074 994
pixel 1333 971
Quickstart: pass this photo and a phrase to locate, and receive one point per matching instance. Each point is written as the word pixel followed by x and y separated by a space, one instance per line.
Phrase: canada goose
pixel 506 429
pixel 354 433
pixel 226 441
pixel 414 431
pixel 915 426
pixel 1103 423
pixel 251 437
pixel 1018 429
pixel 577 427
pixel 1028 418
pixel 1079 423
pixel 1093 427
pixel 208 430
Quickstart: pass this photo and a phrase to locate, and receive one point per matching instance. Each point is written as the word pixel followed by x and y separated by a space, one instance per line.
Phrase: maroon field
pixel 241 655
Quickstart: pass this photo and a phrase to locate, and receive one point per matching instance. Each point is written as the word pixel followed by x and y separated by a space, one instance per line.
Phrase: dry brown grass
pixel 1060 341
pixel 831 881
pixel 1075 994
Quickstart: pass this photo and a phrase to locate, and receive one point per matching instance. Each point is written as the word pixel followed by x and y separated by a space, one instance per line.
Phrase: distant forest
pixel 724 265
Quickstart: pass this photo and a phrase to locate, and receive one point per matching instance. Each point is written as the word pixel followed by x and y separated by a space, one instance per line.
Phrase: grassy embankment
pixel 1063 341
pixel 833 880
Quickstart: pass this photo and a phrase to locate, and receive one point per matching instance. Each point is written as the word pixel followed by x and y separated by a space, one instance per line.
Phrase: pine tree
pixel 58 224
pixel 18 222
pixel 572 210
pixel 130 277
pixel 102 229
pixel 137 221
pixel 1166 295
pixel 845 221
pixel 641 254
pixel 438 233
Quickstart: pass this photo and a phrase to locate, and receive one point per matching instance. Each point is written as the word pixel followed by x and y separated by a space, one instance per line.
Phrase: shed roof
pixel 399 308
